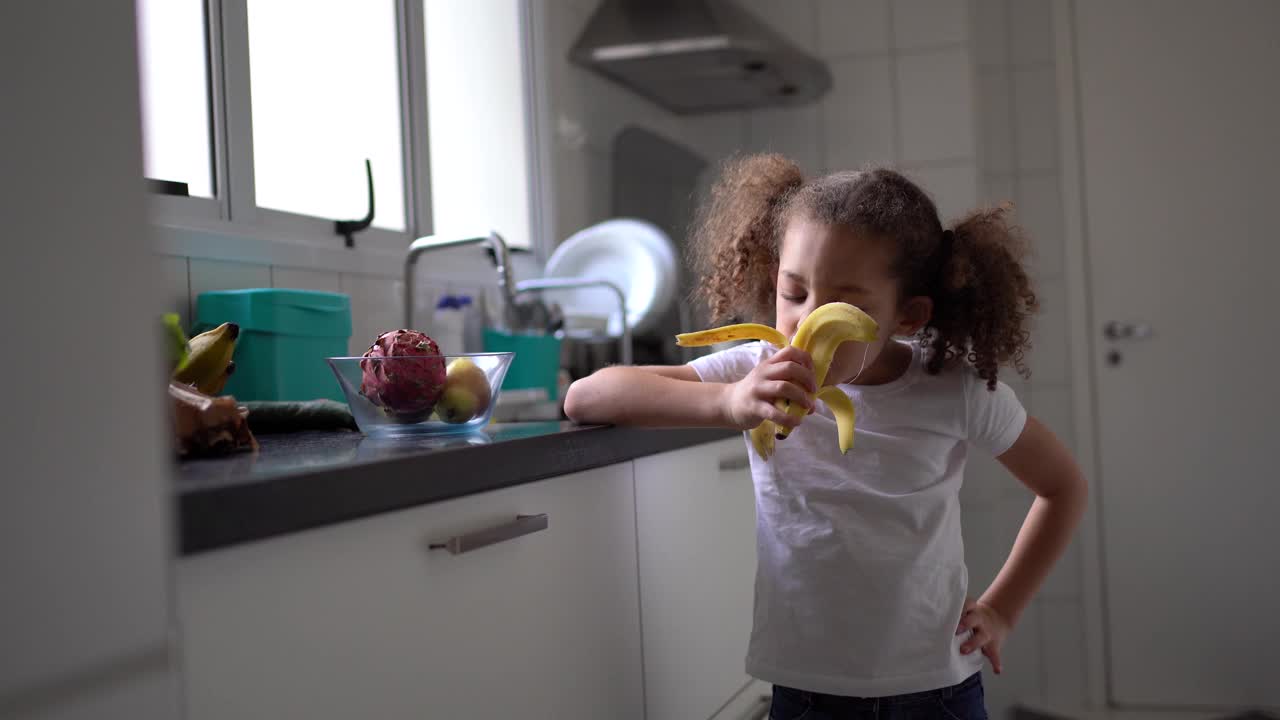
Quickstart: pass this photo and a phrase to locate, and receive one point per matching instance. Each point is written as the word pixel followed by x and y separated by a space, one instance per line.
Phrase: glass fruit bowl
pixel 442 395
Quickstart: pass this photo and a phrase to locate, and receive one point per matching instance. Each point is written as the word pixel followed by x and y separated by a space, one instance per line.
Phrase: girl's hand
pixel 989 631
pixel 787 375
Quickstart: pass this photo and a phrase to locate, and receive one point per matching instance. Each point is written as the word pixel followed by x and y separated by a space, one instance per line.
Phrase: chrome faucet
pixel 624 341
pixel 502 258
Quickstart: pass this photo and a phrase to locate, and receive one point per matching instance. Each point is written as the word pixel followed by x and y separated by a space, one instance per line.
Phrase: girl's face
pixel 821 263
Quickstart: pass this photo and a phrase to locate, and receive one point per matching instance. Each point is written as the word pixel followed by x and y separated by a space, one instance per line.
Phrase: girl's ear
pixel 915 314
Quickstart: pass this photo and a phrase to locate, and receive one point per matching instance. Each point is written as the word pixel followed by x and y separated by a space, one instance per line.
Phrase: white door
pixel 1180 118
pixel 695 522
pixel 363 620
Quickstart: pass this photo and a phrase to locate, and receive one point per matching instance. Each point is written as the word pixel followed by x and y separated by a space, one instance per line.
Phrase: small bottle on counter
pixel 472 325
pixel 446 326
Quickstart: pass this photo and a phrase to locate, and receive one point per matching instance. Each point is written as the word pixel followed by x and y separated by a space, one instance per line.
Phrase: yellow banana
pixel 741 331
pixel 820 334
pixel 842 407
pixel 215 388
pixel 762 437
pixel 208 359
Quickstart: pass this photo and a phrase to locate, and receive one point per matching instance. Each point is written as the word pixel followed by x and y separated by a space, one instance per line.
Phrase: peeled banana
pixel 209 359
pixel 819 334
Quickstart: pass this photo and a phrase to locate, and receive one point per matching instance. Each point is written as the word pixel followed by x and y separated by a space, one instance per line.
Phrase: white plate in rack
pixel 634 255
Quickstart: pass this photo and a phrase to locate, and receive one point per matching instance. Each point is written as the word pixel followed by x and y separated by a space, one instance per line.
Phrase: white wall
pixel 1020 162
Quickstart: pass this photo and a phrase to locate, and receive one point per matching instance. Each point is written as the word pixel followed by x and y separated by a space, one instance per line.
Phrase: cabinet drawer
pixel 364 619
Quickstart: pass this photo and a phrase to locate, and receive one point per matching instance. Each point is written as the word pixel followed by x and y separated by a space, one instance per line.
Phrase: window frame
pixel 231 226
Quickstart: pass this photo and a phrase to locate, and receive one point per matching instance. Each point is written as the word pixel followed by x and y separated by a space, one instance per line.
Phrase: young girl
pixel 860 598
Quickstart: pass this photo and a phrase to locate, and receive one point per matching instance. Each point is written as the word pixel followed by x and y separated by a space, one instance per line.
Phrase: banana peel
pixel 208 363
pixel 824 330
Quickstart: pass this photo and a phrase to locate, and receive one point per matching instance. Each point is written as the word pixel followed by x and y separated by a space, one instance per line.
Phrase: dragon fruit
pixel 403 373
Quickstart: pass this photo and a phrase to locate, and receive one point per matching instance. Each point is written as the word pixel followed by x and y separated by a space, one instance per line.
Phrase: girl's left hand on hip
pixel 989 631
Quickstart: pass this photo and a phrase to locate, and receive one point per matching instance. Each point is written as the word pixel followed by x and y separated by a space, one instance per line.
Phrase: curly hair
pixel 972 271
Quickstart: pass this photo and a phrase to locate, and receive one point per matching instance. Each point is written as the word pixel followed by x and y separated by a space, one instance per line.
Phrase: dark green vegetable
pixel 266 417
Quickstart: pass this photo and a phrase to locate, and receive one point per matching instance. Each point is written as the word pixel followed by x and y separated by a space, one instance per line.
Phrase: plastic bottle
pixel 472 325
pixel 446 326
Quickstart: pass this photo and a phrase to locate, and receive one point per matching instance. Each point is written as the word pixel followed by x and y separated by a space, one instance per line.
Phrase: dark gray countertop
pixel 307 480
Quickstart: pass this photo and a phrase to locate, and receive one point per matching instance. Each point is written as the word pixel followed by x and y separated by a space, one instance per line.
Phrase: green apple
pixel 466 392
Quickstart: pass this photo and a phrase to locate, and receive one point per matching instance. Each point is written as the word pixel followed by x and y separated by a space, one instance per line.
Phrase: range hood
pixel 698 56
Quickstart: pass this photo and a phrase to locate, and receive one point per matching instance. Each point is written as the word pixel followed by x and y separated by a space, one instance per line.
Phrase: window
pixel 325 90
pixel 267 110
pixel 173 59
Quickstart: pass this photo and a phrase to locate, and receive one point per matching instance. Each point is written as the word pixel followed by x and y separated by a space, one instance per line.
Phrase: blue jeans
pixel 958 702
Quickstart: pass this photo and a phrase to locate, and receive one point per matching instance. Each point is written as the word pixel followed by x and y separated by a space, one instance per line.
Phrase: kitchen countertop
pixel 305 480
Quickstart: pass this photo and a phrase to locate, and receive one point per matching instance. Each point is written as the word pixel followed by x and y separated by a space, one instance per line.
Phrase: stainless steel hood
pixel 696 56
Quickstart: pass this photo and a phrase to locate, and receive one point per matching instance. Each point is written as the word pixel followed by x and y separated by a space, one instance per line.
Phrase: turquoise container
pixel 537 360
pixel 285 336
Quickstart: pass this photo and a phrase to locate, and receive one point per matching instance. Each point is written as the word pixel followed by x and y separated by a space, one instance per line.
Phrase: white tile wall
pixel 996 189
pixel 1039 212
pixel 176 288
pixel 795 20
pixel 928 23
pixel 718 135
pixel 936 96
pixel 954 188
pixel 1062 633
pixel 858 117
pixel 209 275
pixel 299 279
pixel 995 148
pixel 1017 111
pixel 991 37
pixel 1023 677
pixel 795 133
pixel 375 307
pixel 1035 103
pixel 587 171
pixel 853 27
pixel 1053 408
pixel 1049 357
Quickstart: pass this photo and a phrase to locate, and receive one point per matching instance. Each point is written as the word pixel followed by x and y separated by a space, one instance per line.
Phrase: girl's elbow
pixel 581 400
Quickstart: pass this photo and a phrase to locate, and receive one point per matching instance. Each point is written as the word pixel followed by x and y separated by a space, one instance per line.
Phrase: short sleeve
pixel 995 417
pixel 731 365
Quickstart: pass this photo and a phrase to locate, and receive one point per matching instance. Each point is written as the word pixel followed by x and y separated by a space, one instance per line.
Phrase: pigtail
pixel 982 297
pixel 735 240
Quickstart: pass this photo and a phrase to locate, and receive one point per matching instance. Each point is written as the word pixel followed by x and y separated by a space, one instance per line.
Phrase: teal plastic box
pixel 285 336
pixel 537 360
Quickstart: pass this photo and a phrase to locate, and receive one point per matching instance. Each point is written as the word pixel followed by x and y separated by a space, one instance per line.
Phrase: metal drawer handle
pixel 738 462
pixel 522 525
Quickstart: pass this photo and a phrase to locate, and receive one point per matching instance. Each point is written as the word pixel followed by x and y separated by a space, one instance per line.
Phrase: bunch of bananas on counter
pixel 819 335
pixel 203 361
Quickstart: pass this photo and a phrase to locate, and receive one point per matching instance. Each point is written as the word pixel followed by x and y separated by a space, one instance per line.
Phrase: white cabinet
pixel 363 620
pixel 695 515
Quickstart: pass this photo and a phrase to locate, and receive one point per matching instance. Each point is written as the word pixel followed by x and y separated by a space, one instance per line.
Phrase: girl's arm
pixel 1042 463
pixel 676 397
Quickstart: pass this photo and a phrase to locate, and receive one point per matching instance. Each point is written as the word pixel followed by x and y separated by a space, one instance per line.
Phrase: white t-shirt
pixel 861 577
